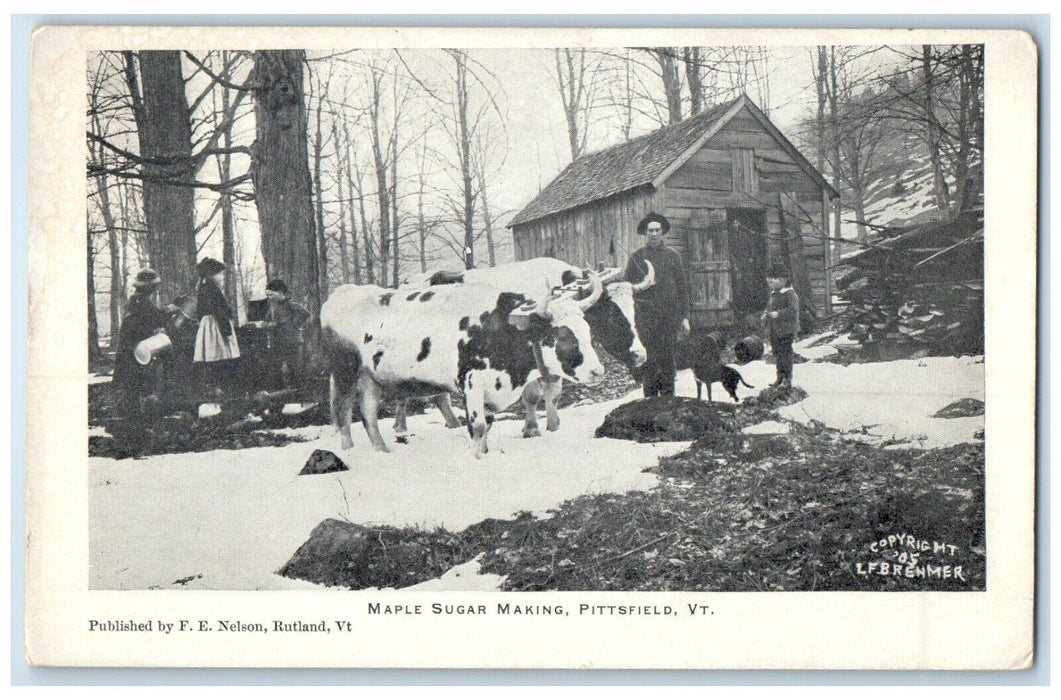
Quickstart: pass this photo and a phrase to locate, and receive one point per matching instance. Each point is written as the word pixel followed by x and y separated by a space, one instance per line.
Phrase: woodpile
pixel 920 292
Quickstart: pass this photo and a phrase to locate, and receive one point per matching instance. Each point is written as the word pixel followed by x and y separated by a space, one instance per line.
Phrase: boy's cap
pixel 778 271
pixel 277 286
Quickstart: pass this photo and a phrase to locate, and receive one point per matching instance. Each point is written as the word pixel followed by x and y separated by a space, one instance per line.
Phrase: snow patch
pixel 234 517
pixel 770 427
pixel 464 577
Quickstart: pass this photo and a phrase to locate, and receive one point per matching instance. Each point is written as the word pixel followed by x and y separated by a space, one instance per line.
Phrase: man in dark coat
pixel 285 321
pixel 143 319
pixel 662 309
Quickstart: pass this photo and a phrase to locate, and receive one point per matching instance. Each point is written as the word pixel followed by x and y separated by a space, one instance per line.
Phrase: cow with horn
pixel 608 311
pixel 467 338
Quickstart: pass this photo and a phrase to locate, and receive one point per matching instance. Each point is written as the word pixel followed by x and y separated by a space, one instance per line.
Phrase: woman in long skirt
pixel 216 344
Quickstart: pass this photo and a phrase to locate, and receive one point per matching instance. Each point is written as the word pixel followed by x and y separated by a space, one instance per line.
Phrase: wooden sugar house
pixel 738 195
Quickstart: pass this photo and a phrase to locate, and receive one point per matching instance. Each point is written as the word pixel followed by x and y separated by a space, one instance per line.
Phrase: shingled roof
pixel 638 162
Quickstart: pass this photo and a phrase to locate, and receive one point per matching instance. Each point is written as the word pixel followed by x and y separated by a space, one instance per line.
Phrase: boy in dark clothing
pixel 662 309
pixel 285 321
pixel 782 320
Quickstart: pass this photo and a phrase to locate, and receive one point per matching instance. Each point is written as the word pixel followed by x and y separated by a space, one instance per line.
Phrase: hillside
pixel 900 193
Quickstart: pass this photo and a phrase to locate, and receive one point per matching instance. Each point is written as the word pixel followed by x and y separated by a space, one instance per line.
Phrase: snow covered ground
pixel 229 519
pixel 235 517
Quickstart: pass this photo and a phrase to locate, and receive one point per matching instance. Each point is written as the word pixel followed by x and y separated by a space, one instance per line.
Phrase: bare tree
pixel 224 169
pixel 280 170
pixel 103 200
pixel 932 137
pixel 320 95
pixel 163 122
pixel 358 185
pixel 575 82
pixel 860 134
pixel 352 188
pixel 693 64
pixel 671 77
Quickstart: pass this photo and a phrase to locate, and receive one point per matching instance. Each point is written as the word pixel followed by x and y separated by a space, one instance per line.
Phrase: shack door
pixel 709 267
pixel 747 239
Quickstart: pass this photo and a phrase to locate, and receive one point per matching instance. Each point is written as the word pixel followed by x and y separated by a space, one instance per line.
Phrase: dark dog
pixel 708 368
pixel 704 352
pixel 729 377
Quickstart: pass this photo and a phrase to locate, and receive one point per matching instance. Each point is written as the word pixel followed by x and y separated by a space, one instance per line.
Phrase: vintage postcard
pixel 532 348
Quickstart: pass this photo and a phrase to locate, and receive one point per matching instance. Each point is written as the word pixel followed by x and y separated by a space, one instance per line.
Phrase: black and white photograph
pixel 685 318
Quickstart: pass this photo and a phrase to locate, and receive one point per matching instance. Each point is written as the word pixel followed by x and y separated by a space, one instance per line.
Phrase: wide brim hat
pixel 642 226
pixel 208 267
pixel 147 278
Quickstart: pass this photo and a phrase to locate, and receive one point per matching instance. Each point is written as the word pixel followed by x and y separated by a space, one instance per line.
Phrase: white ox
pixel 455 338
pixel 611 320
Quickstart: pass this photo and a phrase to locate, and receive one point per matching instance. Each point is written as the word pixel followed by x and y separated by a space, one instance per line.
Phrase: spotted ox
pixel 458 338
pixel 610 318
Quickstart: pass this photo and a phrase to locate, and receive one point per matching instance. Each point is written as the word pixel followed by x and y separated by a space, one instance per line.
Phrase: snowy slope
pixel 902 159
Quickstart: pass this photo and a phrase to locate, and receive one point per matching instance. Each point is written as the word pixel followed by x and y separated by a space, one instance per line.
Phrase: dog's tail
pixel 744 382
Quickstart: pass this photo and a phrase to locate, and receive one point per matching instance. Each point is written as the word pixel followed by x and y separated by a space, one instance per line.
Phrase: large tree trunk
pixel 165 134
pixel 280 171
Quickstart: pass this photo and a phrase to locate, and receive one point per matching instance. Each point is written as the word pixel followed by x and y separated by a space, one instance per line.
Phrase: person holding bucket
pixel 285 321
pixel 215 343
pixel 782 321
pixel 142 327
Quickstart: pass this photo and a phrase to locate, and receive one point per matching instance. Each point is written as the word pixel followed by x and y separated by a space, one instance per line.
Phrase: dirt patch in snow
pixel 962 408
pixel 666 419
pixel 751 513
pixel 734 512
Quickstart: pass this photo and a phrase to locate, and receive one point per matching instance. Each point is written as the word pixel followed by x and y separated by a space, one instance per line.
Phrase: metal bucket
pixel 748 349
pixel 150 348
